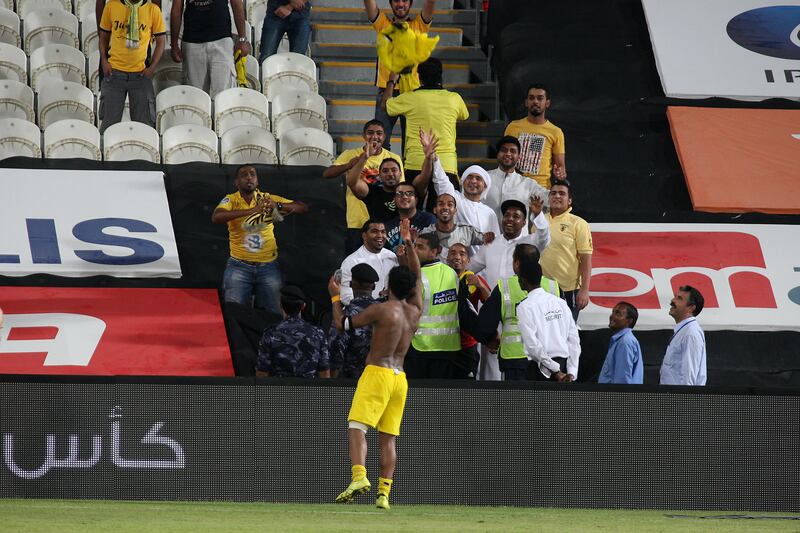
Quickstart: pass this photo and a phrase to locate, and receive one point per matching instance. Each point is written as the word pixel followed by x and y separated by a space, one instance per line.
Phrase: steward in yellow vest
pixel 437 342
pixel 501 308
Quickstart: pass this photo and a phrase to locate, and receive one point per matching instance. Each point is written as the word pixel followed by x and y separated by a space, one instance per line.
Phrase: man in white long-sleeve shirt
pixel 549 333
pixel 495 260
pixel 685 360
pixel 507 183
pixel 371 253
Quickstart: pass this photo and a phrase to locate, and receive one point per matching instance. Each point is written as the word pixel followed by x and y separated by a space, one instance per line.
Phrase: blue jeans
pixel 242 281
pixel 297 26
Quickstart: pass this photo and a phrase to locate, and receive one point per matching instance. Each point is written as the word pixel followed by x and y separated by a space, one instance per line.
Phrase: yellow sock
pixel 359 472
pixel 384 486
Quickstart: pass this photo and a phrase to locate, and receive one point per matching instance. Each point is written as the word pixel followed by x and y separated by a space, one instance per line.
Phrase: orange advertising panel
pixel 739 160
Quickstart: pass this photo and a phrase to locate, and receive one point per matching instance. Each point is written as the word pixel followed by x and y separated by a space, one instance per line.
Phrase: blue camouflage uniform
pixel 349 349
pixel 293 348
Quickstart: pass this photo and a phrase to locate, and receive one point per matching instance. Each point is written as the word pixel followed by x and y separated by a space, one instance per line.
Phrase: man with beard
pixel 372 253
pixel 495 260
pixel 446 228
pixel 379 197
pixel 385 80
pixel 507 183
pixel 373 153
pixel 475 182
pixel 252 269
pixel 476 293
pixel 406 202
pixel 541 142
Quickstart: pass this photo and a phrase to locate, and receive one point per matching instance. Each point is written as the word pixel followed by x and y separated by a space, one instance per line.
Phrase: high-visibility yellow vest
pixel 512 294
pixel 438 326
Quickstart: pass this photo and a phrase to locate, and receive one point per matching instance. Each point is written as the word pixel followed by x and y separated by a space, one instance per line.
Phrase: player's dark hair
pixel 432 238
pixel 390 160
pixel 631 311
pixel 695 298
pixel 563 183
pixel 530 270
pixel 508 139
pixel 240 168
pixel 525 250
pixel 402 281
pixel 373 122
pixel 538 86
pixel 430 72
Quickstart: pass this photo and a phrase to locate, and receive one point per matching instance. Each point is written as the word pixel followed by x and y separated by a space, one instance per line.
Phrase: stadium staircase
pixel 343 45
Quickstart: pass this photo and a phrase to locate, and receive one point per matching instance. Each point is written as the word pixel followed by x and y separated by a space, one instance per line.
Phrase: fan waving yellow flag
pixel 400 49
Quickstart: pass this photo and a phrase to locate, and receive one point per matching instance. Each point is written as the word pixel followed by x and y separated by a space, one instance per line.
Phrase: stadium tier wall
pixel 476 444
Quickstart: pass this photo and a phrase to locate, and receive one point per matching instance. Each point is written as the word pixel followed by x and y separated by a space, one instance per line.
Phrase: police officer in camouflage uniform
pixel 501 308
pixel 293 347
pixel 349 349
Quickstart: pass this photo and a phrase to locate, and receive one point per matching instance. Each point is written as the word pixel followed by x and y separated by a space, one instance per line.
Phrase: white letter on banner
pixel 74 344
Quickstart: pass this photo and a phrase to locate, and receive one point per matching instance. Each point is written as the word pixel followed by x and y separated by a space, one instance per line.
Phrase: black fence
pixel 477 444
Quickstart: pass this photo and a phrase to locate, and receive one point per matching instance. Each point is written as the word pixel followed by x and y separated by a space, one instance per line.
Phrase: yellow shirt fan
pixel 400 49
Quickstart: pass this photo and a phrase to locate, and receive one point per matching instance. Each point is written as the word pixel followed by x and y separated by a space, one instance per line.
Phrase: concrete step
pixel 364 71
pixel 489 131
pixel 365 34
pixel 365 109
pixel 467 148
pixel 440 4
pixel 472 56
pixel 357 15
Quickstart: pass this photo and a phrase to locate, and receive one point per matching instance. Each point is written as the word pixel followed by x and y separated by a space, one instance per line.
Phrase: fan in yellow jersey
pixel 384 80
pixel 252 269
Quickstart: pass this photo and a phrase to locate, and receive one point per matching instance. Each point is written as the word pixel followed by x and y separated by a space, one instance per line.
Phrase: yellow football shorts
pixel 379 399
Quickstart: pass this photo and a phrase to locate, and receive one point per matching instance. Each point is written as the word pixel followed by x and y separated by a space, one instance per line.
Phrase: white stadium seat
pixel 248 145
pixel 59 62
pixel 189 142
pixel 72 138
pixel 84 9
pixel 168 73
pixel 253 73
pixel 182 104
pixel 19 138
pixel 295 109
pixel 7 4
pixel 59 100
pixel 307 146
pixel 240 106
pixel 126 141
pixel 89 37
pixel 13 63
pixel 16 100
pixel 289 69
pixel 9 28
pixel 93 72
pixel 50 26
pixel 26 7
pixel 256 11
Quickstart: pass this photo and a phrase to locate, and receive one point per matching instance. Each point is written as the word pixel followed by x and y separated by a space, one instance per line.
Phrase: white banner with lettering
pixel 741 49
pixel 86 223
pixel 749 275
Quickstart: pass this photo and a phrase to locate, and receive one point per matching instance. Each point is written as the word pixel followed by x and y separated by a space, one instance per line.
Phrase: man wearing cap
pixel 349 349
pixel 293 347
pixel 507 183
pixel 495 260
pixel 475 181
pixel 252 269
pixel 501 309
pixel 372 253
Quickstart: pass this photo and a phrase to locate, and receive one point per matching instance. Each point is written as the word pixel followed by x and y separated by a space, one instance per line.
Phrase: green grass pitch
pixel 86 516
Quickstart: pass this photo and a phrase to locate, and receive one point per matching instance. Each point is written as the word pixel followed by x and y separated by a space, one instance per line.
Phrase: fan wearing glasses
pixel 405 198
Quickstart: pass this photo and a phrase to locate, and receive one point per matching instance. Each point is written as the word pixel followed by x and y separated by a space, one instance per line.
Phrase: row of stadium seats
pixel 46 23
pixel 183 143
pixel 67 63
pixel 182 104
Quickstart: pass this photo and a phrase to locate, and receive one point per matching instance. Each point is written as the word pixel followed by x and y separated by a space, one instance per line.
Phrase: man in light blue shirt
pixel 623 362
pixel 685 360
